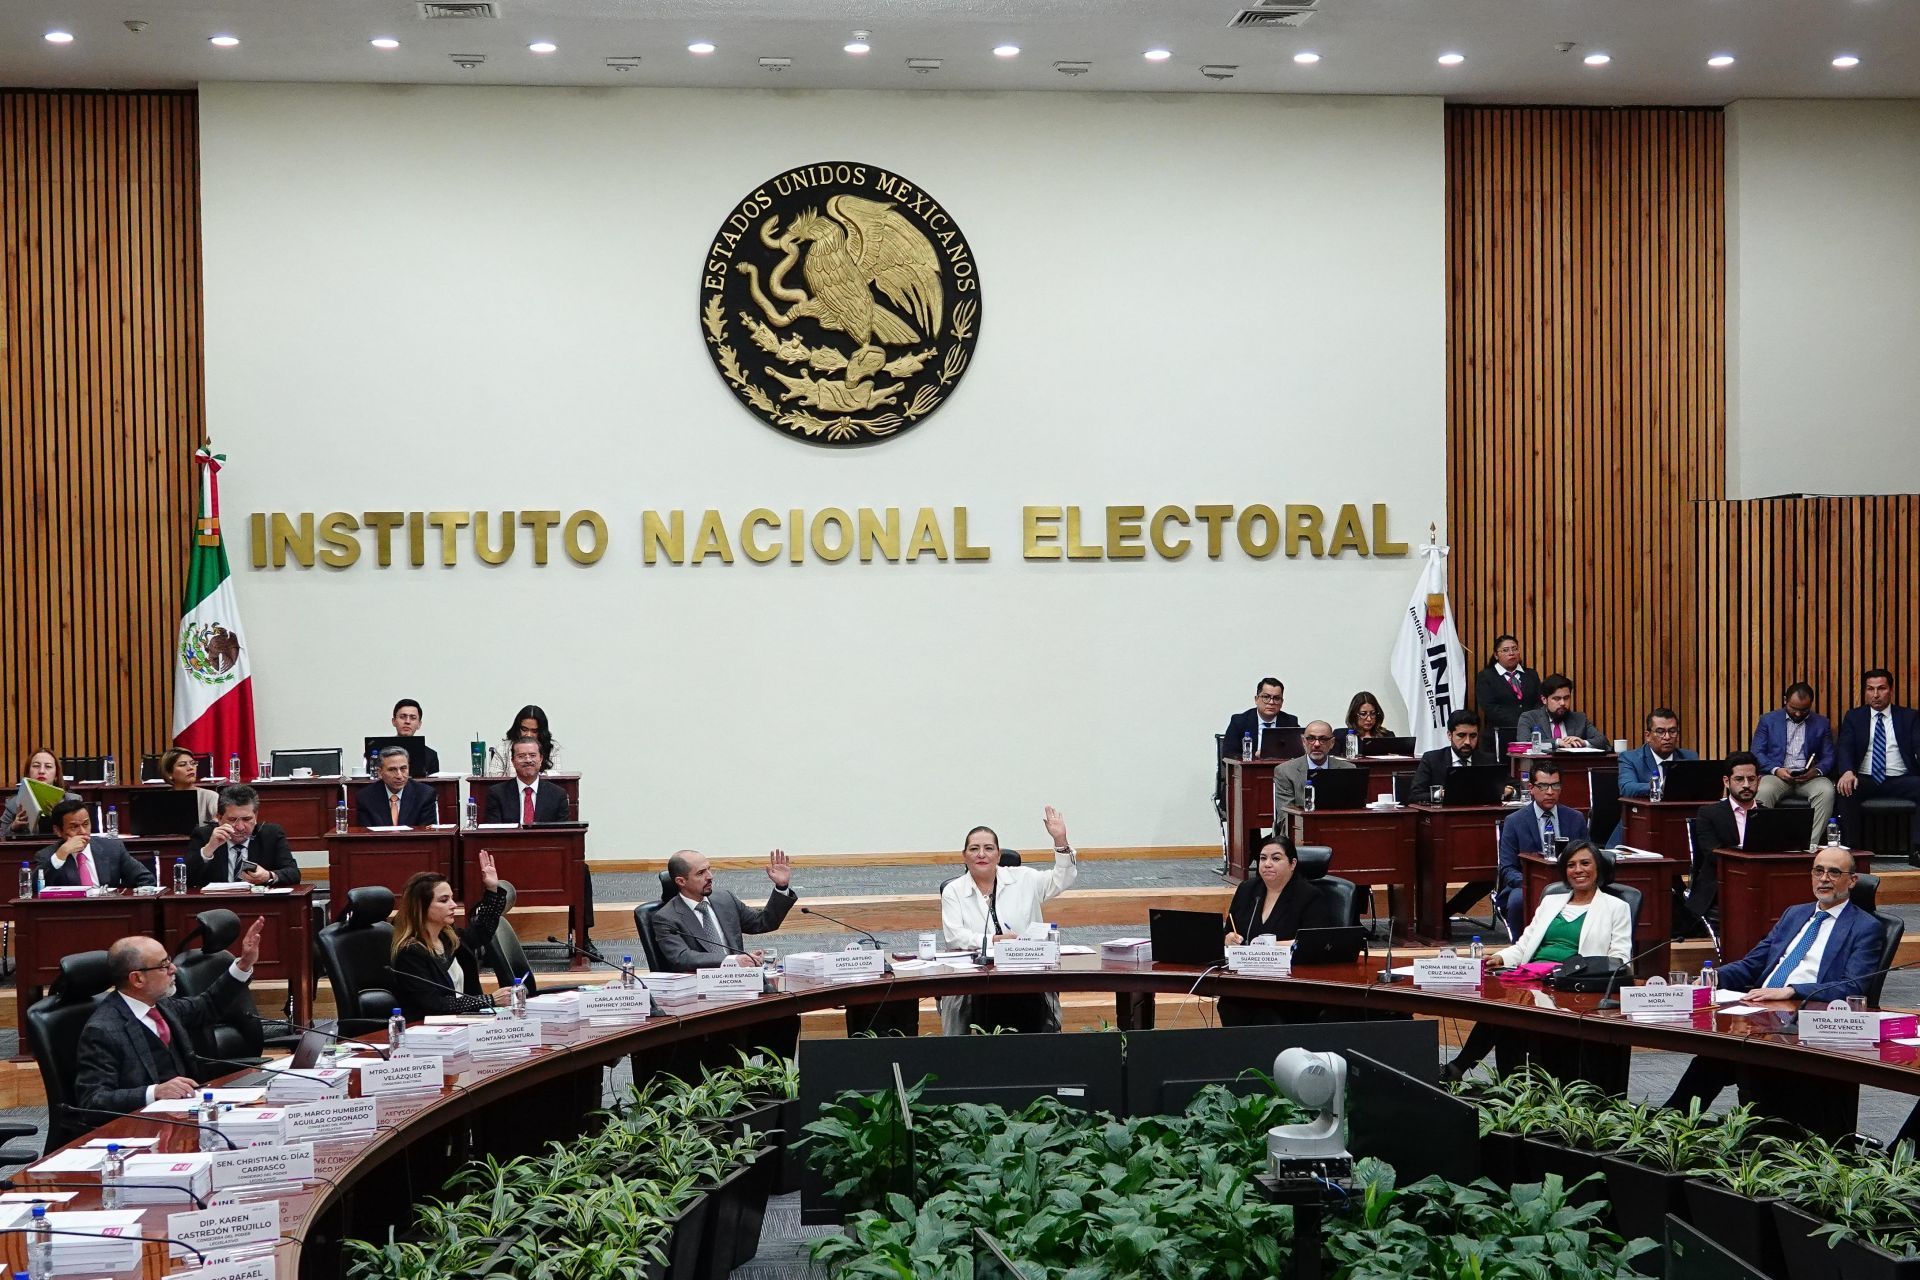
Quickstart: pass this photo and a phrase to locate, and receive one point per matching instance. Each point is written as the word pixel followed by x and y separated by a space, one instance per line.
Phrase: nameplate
pixel 402 1075
pixel 1026 955
pixel 504 1035
pixel 1831 1026
pixel 333 1118
pixel 262 1165
pixel 622 1002
pixel 1447 971
pixel 729 982
pixel 230 1229
pixel 1663 1001
pixel 852 966
pixel 1261 962
pixel 261 1268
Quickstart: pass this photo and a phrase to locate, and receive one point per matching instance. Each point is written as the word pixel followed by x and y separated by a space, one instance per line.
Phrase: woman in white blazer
pixel 1585 921
pixel 990 902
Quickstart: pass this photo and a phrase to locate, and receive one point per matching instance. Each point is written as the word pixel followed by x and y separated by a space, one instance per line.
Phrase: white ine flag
pixel 1427 663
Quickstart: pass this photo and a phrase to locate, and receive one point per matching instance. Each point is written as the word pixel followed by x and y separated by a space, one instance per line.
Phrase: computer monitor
pixel 1386 746
pixel 1778 830
pixel 324 761
pixel 1282 743
pixel 1197 938
pixel 1474 784
pixel 163 812
pixel 415 747
pixel 1340 788
pixel 1697 781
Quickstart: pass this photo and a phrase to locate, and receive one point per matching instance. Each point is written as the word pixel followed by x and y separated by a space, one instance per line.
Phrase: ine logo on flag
pixel 1428 666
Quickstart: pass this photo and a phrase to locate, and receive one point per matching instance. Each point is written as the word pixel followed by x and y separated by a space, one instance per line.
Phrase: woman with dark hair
pixel 1365 720
pixel 992 902
pixel 181 772
pixel 531 722
pixel 436 970
pixel 1275 902
pixel 42 766
pixel 1584 921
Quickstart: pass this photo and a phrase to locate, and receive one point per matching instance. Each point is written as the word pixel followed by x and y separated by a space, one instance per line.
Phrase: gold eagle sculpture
pixel 857 246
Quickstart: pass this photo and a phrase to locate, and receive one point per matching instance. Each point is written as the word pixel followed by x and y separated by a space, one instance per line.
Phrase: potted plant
pixel 1732 1205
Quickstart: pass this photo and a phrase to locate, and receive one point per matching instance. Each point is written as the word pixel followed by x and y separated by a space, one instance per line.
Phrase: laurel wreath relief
pixel 847 426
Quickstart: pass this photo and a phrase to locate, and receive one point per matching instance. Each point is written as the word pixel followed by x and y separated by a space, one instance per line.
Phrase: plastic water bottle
pixel 627 978
pixel 209 1119
pixel 517 1000
pixel 495 766
pixel 396 1030
pixel 39 1244
pixel 109 771
pixel 1658 786
pixel 1478 950
pixel 113 1172
pixel 340 818
pixel 179 875
pixel 373 764
pixel 1709 976
pixel 233 767
pixel 113 819
pixel 1246 747
pixel 1353 745
pixel 26 880
pixel 1526 784
pixel 1833 833
pixel 1306 796
pixel 473 813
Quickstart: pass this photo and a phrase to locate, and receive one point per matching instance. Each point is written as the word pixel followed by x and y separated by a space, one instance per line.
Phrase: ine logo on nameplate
pixel 840 303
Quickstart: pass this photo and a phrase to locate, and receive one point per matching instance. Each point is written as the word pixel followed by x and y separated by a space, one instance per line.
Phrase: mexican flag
pixel 212 685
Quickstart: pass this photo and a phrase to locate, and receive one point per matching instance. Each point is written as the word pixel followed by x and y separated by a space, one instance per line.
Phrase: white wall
pixel 436 298
pixel 1823 298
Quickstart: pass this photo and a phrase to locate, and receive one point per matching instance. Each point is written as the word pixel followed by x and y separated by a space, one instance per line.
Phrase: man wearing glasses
pixel 138 1045
pixel 1538 828
pixel 1821 950
pixel 1259 720
pixel 1290 779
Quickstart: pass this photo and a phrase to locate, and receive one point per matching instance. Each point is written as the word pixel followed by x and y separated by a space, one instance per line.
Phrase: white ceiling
pixel 1783 48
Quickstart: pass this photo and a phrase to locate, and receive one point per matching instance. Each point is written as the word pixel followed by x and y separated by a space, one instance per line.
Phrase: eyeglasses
pixel 150 968
pixel 1829 873
pixel 1316 737
pixel 1267 697
pixel 1546 786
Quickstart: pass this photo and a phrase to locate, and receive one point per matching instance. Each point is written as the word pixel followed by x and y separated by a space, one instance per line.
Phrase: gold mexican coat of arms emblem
pixel 840 303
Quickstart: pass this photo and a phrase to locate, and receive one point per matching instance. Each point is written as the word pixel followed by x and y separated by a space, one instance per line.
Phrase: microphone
pixel 14 1184
pixel 1387 975
pixel 851 928
pixel 625 970
pixel 70 1109
pixel 102 1235
pixel 340 1039
pixel 272 1071
pixel 1606 997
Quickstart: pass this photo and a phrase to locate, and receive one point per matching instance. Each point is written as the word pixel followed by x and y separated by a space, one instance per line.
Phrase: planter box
pixel 1502 1158
pixel 1806 1257
pixel 1740 1224
pixel 1542 1157
pixel 1642 1197
pixel 1861 1261
pixel 793 1161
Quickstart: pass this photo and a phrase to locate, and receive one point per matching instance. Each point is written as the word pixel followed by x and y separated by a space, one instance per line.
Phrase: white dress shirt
pixel 1808 970
pixel 1019 895
pixel 1896 763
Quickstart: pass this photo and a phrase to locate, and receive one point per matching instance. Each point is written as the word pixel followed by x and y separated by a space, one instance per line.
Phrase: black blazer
pixel 119 1056
pixel 267 846
pixel 684 943
pixel 112 864
pixel 1244 723
pixel 503 802
pixel 1713 828
pixel 1301 906
pixel 418 805
pixel 1499 709
pixel 1854 747
pixel 423 982
pixel 1431 772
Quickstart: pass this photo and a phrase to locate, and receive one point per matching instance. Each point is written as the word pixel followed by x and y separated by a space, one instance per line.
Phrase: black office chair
pixel 1342 895
pixel 238 1037
pixel 356 951
pixel 1603 815
pixel 643 923
pixel 84 768
pixel 1896 929
pixel 1866 893
pixel 150 766
pixel 508 959
pixel 53 1037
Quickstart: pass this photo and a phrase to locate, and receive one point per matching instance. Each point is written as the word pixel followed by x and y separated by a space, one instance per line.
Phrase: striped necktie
pixel 1877 768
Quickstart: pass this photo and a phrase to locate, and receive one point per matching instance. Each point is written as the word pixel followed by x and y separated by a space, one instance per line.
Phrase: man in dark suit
pixel 406 723
pixel 1462 752
pixel 698 928
pixel 526 800
pixel 1505 688
pixel 395 800
pixel 1257 720
pixel 1878 753
pixel 81 858
pixel 1794 744
pixel 239 846
pixel 137 1047
pixel 1721 825
pixel 1820 950
pixel 1556 719
pixel 1530 830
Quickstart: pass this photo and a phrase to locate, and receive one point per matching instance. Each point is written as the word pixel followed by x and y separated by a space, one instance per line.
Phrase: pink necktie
pixel 86 868
pixel 1513 679
pixel 160 1027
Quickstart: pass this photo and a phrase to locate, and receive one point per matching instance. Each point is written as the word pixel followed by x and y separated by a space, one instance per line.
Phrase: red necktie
pixel 526 806
pixel 1513 680
pixel 160 1027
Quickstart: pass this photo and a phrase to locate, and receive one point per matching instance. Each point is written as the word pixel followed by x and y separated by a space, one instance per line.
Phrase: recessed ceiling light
pixel 1306 57
pixel 1720 60
pixel 384 42
pixel 1158 55
pixel 1006 51
pixel 543 46
pixel 857 46
pixel 1452 59
pixel 223 42
pixel 59 37
pixel 700 47
pixel 1599 59
pixel 1846 60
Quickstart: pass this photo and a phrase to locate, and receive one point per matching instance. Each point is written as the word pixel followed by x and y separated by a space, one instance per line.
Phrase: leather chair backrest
pixel 505 955
pixel 1343 895
pixel 643 925
pixel 368 905
pixel 1314 860
pixel 215 930
pixel 1625 892
pixel 1896 929
pixel 1603 813
pixel 356 951
pixel 53 1037
pixel 1009 857
pixel 1866 893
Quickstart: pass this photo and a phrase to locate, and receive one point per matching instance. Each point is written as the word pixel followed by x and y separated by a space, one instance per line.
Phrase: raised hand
pixel 1057 828
pixel 779 869
pixel 489 874
pixel 250 944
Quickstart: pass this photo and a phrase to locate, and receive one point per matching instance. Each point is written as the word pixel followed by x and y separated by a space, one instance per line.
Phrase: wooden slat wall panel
pixel 1815 589
pixel 101 410
pixel 1586 321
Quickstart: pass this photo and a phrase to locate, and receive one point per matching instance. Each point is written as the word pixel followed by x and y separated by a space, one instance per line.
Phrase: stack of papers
pixel 166 1178
pixel 673 992
pixel 434 1040
pixel 95 1252
pixel 239 1097
pixel 262 1126
pixel 304 1084
pixel 558 1014
pixel 1128 950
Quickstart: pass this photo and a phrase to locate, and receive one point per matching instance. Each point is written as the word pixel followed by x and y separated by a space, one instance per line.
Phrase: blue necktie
pixel 1546 832
pixel 1798 951
pixel 1877 768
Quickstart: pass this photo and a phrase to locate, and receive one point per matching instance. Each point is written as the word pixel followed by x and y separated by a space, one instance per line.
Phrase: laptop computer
pixel 1474 784
pixel 1340 945
pixel 1386 746
pixel 163 813
pixel 1282 743
pixel 1187 937
pixel 1778 830
pixel 307 1052
pixel 415 747
pixel 1693 780
pixel 324 761
pixel 1339 789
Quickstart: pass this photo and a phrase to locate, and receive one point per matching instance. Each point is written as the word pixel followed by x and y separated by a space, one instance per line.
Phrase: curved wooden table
pixel 567 1073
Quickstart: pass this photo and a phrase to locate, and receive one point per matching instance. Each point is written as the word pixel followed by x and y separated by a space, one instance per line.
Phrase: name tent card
pixel 333 1118
pixel 620 1002
pixel 257 1165
pixel 1658 1000
pixel 729 982
pixel 1837 1026
pixel 401 1075
pixel 1261 962
pixel 1026 955
pixel 853 966
pixel 1447 971
pixel 261 1268
pixel 226 1230
pixel 505 1036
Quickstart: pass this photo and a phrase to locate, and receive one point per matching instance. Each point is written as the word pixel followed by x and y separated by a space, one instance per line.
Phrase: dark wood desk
pixel 1660 826
pixel 545 864
pixel 569 784
pixel 49 928
pixel 1370 846
pixel 1576 770
pixel 1249 810
pixel 1757 888
pixel 303 807
pixel 1653 877
pixel 1451 845
pixel 358 857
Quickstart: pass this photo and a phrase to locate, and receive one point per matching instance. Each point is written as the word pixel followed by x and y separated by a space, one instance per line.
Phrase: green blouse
pixel 1562 939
